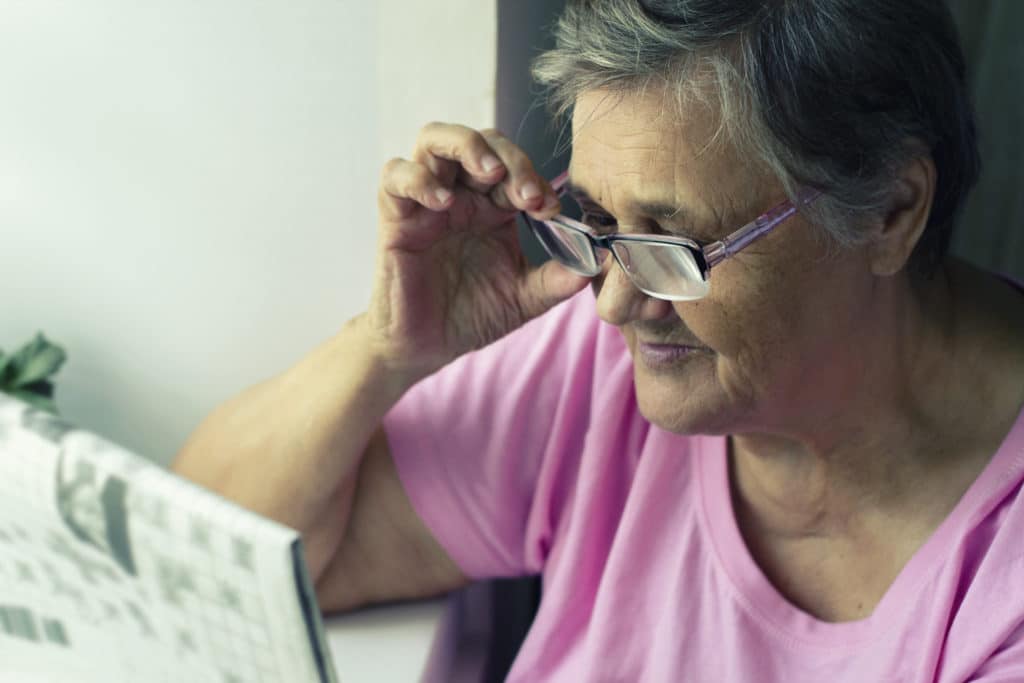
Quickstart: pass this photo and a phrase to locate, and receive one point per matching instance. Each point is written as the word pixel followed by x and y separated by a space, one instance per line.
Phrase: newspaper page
pixel 113 569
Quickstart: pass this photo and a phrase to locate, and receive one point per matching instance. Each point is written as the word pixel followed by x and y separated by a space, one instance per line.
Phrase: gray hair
pixel 834 95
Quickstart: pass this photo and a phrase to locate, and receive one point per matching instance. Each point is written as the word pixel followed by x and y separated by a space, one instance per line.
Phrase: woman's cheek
pixel 736 335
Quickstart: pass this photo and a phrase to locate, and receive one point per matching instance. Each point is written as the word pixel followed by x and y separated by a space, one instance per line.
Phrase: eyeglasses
pixel 661 266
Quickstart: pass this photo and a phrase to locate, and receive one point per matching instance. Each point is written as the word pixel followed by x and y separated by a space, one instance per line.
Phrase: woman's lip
pixel 654 345
pixel 663 354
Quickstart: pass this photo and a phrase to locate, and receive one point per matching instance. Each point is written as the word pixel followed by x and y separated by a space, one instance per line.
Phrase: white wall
pixel 187 188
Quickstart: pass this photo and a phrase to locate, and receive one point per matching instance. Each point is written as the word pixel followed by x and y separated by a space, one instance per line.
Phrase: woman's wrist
pixel 366 369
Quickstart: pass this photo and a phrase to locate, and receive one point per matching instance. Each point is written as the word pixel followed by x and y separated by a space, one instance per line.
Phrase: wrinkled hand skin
pixel 450 275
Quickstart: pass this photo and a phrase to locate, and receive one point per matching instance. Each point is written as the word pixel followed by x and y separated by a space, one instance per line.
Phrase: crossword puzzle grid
pixel 207 583
pixel 44 576
pixel 193 613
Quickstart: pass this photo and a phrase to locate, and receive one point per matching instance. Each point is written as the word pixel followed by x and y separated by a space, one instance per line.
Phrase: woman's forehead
pixel 637 150
pixel 650 117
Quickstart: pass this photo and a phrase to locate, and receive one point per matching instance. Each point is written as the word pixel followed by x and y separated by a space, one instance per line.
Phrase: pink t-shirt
pixel 530 457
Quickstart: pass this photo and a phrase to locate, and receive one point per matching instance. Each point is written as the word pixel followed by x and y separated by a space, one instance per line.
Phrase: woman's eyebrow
pixel 579 193
pixel 657 210
pixel 673 218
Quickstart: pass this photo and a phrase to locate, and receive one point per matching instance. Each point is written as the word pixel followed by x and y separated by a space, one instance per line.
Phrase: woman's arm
pixel 306 449
pixel 290 447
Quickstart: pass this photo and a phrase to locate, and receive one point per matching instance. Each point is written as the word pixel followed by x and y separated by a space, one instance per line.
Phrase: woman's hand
pixel 450 276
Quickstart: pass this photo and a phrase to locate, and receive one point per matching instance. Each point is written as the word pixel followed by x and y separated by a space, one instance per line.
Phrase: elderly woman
pixel 778 439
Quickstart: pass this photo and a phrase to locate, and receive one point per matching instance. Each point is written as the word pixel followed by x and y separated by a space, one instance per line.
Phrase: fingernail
pixel 442 195
pixel 530 190
pixel 489 162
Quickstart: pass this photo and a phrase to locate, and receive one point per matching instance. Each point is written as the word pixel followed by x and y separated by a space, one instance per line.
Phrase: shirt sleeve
pixel 1006 665
pixel 486 449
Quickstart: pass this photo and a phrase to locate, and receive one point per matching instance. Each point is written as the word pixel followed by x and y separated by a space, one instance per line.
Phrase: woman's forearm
pixel 286 447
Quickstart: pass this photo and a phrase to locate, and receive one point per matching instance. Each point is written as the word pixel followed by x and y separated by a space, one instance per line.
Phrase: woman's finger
pixel 449 149
pixel 522 188
pixel 547 285
pixel 486 162
pixel 406 185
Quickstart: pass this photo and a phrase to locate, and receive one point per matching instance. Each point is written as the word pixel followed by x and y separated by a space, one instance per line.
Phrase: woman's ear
pixel 905 217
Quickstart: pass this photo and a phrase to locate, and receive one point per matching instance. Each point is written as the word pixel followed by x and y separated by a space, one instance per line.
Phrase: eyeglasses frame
pixel 706 257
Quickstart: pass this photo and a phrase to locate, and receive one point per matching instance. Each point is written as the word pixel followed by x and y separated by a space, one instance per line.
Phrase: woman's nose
pixel 619 301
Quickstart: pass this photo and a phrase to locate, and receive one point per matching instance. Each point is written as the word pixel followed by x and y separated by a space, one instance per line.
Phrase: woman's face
pixel 777 339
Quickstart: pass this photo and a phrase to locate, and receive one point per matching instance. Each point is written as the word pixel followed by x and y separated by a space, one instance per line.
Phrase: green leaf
pixel 5 363
pixel 35 400
pixel 36 361
pixel 43 387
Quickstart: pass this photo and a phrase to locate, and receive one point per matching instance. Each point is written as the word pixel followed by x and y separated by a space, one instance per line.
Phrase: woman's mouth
pixel 655 355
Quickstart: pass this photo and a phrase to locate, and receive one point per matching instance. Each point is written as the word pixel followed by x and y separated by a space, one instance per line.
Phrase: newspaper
pixel 113 569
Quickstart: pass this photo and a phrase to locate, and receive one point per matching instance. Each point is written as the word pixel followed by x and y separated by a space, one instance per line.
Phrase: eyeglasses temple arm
pixel 716 252
pixel 558 182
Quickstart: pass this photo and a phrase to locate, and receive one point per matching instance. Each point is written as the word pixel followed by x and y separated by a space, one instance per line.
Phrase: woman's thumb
pixel 548 285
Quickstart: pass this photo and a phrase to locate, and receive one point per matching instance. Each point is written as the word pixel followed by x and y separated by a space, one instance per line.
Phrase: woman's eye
pixel 600 222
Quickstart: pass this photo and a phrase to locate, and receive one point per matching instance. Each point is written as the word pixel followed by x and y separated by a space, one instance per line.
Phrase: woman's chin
pixel 687 401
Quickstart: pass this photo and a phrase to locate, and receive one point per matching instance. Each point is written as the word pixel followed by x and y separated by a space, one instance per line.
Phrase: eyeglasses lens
pixel 569 247
pixel 664 271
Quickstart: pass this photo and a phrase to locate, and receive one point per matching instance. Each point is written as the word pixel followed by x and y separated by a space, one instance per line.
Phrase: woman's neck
pixel 902 430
